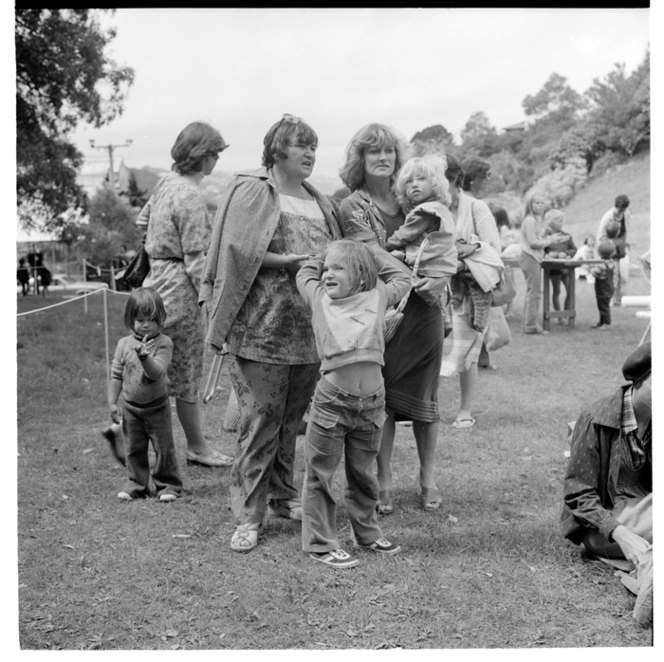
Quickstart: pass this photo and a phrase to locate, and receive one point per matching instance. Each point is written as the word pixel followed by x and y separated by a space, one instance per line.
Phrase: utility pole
pixel 110 149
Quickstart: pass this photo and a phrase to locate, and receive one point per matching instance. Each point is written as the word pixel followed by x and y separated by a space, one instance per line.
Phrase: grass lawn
pixel 488 570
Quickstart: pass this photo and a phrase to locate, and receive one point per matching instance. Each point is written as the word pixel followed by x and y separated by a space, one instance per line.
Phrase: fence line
pixel 78 298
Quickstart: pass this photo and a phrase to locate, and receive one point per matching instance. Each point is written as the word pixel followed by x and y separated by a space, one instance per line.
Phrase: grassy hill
pixel 584 212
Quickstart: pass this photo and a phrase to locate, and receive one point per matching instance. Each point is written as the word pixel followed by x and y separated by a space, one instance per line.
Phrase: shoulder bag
pixel 504 291
pixel 394 316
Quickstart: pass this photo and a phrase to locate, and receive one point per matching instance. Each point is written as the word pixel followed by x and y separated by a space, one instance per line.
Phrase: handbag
pixel 137 270
pixel 498 332
pixel 394 316
pixel 505 291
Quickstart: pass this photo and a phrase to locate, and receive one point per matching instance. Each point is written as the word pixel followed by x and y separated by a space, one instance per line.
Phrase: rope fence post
pixel 85 280
pixel 108 368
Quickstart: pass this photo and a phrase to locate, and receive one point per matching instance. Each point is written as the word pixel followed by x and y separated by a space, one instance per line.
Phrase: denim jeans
pixel 140 425
pixel 272 399
pixel 532 271
pixel 604 290
pixel 341 423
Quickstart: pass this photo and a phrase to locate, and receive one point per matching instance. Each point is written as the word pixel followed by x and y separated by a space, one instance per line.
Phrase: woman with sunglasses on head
pixel 267 224
pixel 177 236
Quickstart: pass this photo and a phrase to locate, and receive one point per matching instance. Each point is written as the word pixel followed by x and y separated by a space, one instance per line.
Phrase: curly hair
pixel 196 141
pixel 370 136
pixel 358 259
pixel 144 302
pixel 432 167
pixel 289 130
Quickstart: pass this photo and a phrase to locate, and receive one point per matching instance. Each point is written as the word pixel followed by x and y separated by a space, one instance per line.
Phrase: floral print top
pixel 274 323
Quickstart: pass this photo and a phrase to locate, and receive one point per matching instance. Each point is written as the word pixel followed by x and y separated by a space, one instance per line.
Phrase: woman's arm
pixel 194 263
pixel 291 261
pixel 308 278
pixel 431 289
pixel 529 234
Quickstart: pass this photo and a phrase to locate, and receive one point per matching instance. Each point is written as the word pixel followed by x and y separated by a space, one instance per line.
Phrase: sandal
pixel 288 508
pixel 431 498
pixel 463 423
pixel 384 505
pixel 211 458
pixel 245 537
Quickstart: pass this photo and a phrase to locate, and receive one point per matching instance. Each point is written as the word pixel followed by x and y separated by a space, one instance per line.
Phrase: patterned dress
pixel 179 225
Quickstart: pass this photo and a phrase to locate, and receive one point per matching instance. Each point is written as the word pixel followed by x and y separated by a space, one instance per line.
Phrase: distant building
pixel 515 128
pixel 94 174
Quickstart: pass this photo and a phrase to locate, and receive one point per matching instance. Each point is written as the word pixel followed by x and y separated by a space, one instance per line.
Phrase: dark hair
pixel 606 249
pixel 501 216
pixel 454 171
pixel 473 167
pixel 144 302
pixel 284 133
pixel 196 141
pixel 622 202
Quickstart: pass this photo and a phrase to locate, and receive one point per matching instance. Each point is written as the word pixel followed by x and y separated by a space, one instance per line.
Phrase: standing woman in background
pixel 473 219
pixel 476 173
pixel 371 214
pixel 178 235
pixel 533 243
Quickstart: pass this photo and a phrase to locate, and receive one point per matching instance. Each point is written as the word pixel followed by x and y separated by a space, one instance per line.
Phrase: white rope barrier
pixel 77 298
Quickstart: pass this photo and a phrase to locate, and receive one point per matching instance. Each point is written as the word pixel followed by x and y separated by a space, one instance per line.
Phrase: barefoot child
pixel 348 302
pixel 423 191
pixel 139 372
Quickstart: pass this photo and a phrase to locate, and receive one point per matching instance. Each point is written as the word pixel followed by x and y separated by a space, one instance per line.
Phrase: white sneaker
pixel 124 496
pixel 167 497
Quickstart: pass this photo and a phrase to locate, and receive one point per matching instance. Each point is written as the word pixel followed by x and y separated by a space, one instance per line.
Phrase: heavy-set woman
pixel 268 222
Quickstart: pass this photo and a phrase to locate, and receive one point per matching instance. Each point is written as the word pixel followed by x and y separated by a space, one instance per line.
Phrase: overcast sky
pixel 241 70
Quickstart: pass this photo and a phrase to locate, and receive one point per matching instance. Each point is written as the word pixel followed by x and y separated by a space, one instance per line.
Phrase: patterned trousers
pixel 272 400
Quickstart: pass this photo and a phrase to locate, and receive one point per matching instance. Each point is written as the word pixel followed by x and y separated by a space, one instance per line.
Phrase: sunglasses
pixel 291 119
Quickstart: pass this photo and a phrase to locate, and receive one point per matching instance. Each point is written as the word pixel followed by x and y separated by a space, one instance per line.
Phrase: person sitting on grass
pixel 608 483
pixel 604 282
pixel 348 302
pixel 563 248
pixel 139 372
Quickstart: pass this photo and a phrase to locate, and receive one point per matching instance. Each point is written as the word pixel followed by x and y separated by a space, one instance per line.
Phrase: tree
pixel 556 99
pixel 619 119
pixel 478 136
pixel 62 77
pixel 111 232
pixel 137 196
pixel 434 139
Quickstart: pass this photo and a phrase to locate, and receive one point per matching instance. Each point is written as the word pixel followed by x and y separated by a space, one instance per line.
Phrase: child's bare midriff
pixel 362 378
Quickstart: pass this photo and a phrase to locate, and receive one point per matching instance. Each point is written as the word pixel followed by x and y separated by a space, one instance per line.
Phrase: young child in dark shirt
pixel 604 287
